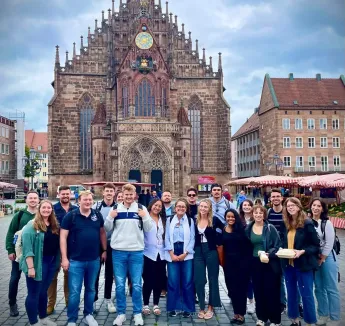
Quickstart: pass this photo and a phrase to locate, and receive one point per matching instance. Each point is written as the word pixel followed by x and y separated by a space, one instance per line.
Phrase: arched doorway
pixel 157 179
pixel 135 176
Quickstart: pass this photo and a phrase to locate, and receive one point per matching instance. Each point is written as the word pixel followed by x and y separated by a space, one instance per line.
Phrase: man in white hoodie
pixel 128 222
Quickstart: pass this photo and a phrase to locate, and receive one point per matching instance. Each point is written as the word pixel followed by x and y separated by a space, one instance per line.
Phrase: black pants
pixel 14 281
pixel 154 276
pixel 266 285
pixel 236 274
pixel 108 275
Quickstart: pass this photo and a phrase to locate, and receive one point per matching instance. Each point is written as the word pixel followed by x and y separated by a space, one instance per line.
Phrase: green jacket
pixel 33 241
pixel 14 227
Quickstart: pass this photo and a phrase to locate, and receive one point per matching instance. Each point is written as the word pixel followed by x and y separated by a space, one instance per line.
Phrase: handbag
pixel 220 250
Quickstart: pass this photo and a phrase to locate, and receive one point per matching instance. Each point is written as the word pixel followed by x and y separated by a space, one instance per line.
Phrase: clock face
pixel 144 40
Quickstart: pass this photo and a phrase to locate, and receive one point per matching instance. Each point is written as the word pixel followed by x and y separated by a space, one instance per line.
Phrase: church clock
pixel 144 41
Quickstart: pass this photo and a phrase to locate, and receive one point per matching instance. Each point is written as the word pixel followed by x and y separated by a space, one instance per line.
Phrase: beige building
pixel 302 125
pixel 8 167
pixel 140 102
pixel 38 141
pixel 245 144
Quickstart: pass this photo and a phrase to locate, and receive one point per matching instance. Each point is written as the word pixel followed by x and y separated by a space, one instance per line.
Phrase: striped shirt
pixel 275 218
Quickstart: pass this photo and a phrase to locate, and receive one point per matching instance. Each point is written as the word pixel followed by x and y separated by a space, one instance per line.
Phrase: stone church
pixel 139 102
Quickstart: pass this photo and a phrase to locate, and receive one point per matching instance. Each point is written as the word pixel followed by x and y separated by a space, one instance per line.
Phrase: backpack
pixel 336 244
pixel 17 239
pixel 140 219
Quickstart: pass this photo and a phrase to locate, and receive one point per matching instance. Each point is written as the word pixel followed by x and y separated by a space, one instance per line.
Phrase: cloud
pixel 255 37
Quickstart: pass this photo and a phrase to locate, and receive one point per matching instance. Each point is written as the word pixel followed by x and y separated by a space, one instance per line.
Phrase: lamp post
pixel 277 162
pixel 34 165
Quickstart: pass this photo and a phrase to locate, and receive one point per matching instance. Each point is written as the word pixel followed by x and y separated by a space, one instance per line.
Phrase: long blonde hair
pixel 39 224
pixel 289 221
pixel 209 213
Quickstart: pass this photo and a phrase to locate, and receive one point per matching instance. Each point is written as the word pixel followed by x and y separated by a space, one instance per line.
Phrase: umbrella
pixel 6 185
pixel 334 180
pixel 274 180
pixel 240 182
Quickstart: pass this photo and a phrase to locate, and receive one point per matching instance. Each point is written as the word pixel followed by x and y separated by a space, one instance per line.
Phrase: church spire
pixel 57 56
pixel 167 9
pixel 220 68
pixel 197 46
pixel 203 56
pixel 74 52
pixel 113 7
pixel 66 63
pixel 210 62
pixel 81 42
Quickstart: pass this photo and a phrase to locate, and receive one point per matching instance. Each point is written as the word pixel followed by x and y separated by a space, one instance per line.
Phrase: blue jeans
pixel 305 281
pixel 37 298
pixel 283 299
pixel 78 272
pixel 180 295
pixel 133 262
pixel 250 291
pixel 326 289
pixel 13 285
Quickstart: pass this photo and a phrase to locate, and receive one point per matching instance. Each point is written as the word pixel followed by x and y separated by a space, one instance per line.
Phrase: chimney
pixel 291 76
pixel 318 77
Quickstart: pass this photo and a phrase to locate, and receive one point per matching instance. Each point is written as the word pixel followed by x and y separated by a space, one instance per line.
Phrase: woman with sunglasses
pixel 326 277
pixel 246 216
pixel 236 268
pixel 40 260
pixel 179 252
pixel 299 234
pixel 206 257
pixel 154 274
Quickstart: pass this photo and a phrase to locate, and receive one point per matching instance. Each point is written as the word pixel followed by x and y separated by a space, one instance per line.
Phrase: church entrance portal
pixel 135 176
pixel 157 179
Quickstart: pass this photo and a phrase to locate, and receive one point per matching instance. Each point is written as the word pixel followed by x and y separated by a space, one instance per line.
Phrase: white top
pixel 154 243
pixel 202 231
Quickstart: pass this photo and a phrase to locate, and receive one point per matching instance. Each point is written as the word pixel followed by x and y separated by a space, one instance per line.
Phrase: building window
pixel 324 163
pixel 335 123
pixel 299 162
pixel 44 174
pixel 287 161
pixel 39 148
pixel 144 100
pixel 298 123
pixel 311 162
pixel 3 132
pixel 125 105
pixel 299 142
pixel 286 124
pixel 7 133
pixel 194 118
pixel 6 166
pixel 3 166
pixel 286 142
pixel 323 142
pixel 336 163
pixel 311 124
pixel 311 142
pixel 2 148
pixel 86 117
pixel 44 155
pixel 323 123
pixel 164 102
pixel 336 142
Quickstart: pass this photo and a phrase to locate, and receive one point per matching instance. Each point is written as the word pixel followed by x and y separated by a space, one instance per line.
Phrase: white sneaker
pixel 260 323
pixel 334 323
pixel 273 324
pixel 119 320
pixel 47 322
pixel 71 324
pixel 138 320
pixel 89 320
pixel 111 307
pixel 251 307
pixel 322 320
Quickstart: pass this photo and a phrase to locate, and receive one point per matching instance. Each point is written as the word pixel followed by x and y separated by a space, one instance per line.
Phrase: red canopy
pixel 334 180
pixel 5 185
pixel 102 183
pixel 267 180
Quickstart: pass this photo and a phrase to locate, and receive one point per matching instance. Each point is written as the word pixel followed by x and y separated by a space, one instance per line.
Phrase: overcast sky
pixel 256 37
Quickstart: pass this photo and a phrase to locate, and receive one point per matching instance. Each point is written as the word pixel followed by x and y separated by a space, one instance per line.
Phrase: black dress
pixel 237 253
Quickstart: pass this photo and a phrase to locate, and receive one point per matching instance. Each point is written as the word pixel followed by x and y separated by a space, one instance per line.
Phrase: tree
pixel 32 165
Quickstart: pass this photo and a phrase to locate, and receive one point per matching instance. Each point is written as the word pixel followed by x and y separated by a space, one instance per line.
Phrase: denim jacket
pixel 271 244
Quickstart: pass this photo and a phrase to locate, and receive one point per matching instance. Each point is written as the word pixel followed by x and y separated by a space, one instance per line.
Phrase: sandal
pixel 201 314
pixel 146 310
pixel 209 314
pixel 156 310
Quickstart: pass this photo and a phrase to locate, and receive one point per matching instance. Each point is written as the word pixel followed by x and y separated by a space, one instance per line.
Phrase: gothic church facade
pixel 138 102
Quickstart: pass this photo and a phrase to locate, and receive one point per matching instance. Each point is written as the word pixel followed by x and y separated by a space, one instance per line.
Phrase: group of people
pixel 174 250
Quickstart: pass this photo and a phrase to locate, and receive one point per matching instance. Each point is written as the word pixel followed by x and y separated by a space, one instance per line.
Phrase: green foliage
pixel 31 166
pixel 337 210
pixel 20 201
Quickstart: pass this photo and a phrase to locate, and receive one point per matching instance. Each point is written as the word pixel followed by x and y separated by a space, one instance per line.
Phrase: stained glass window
pixel 86 117
pixel 125 101
pixel 144 100
pixel 194 118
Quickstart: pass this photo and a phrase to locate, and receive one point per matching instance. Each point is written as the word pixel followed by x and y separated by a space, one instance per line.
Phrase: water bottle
pixel 15 238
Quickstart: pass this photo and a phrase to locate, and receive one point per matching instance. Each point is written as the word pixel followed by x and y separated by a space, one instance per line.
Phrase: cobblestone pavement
pixel 222 315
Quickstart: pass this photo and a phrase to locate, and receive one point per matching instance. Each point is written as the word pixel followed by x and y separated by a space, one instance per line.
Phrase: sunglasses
pixel 191 195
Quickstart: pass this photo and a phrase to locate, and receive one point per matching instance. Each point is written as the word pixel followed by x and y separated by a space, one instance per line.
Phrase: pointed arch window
pixel 164 102
pixel 125 105
pixel 144 100
pixel 86 117
pixel 194 118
